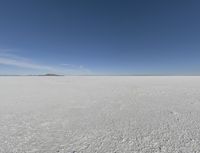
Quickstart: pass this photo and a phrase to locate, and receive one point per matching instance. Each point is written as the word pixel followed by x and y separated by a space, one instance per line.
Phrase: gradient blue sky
pixel 100 37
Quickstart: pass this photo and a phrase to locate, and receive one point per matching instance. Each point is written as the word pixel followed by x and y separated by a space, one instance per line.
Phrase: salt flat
pixel 102 114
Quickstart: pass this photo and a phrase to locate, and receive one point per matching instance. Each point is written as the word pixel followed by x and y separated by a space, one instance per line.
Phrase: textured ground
pixel 99 114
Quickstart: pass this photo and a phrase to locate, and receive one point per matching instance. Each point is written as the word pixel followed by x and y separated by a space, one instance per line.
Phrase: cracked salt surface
pixel 100 114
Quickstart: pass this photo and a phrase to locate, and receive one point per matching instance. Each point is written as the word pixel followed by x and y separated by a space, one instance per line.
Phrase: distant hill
pixel 51 74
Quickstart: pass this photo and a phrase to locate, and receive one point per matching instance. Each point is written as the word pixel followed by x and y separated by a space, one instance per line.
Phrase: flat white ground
pixel 100 114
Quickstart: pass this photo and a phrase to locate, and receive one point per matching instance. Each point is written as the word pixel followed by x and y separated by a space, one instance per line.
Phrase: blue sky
pixel 118 37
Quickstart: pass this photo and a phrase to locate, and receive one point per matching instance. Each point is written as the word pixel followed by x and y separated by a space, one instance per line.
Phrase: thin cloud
pixel 9 59
pixel 4 50
pixel 13 60
pixel 77 69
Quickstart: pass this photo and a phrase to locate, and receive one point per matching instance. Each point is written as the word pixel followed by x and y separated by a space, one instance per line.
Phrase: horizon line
pixel 58 75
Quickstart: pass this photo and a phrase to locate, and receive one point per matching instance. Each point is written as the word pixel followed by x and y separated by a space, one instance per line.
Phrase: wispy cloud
pixel 13 60
pixel 2 50
pixel 7 58
pixel 77 69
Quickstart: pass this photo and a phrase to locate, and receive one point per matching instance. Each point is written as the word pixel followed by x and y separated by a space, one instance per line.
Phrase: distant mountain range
pixel 51 74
